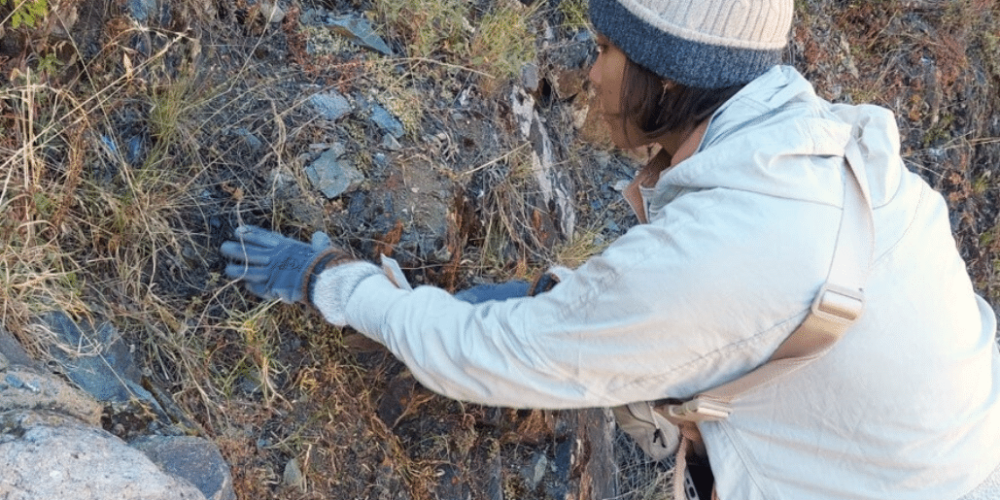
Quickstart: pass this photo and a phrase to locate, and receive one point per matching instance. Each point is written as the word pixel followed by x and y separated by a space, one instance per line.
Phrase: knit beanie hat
pixel 699 43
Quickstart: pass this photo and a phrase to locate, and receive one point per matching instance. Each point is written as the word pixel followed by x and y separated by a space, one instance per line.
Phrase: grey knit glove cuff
pixel 334 287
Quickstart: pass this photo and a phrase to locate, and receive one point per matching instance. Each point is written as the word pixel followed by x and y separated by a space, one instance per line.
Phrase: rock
pixel 134 151
pixel 359 31
pixel 251 141
pixel 569 82
pixel 11 349
pixel 556 187
pixel 46 457
pixel 576 53
pixel 389 142
pixel 286 191
pixel 529 77
pixel 331 176
pixel 292 477
pixel 22 388
pixel 385 121
pixel 193 459
pixel 142 9
pixel 271 12
pixel 95 359
pixel 330 105
pixel 535 471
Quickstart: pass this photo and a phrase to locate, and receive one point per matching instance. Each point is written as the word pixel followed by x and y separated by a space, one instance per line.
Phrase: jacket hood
pixel 776 137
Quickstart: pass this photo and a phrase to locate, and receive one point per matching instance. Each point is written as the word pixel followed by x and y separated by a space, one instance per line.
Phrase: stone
pixel 134 151
pixel 576 53
pixel 271 12
pixel 359 31
pixel 22 388
pixel 556 186
pixel 385 121
pixel 389 142
pixel 331 176
pixel 251 141
pixel 196 460
pixel 292 477
pixel 142 9
pixel 330 105
pixel 12 350
pixel 46 457
pixel 535 471
pixel 95 358
pixel 529 77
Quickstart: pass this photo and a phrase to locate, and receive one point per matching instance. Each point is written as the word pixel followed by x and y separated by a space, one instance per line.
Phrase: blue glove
pixel 508 290
pixel 494 291
pixel 274 266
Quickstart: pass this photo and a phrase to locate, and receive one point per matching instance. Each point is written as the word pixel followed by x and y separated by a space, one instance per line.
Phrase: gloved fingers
pixel 251 254
pixel 254 235
pixel 247 273
pixel 277 287
pixel 320 241
pixel 494 291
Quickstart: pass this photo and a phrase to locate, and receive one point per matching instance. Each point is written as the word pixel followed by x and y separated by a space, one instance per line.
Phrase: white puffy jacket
pixel 740 236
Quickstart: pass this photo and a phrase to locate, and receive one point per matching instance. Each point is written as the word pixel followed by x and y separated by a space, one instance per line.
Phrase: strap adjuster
pixel 699 410
pixel 838 303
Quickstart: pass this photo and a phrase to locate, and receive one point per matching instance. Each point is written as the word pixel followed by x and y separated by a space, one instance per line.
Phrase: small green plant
pixel 574 14
pixel 27 13
pixel 427 27
pixel 504 41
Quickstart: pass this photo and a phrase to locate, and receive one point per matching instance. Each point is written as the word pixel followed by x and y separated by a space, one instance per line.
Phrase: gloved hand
pixel 274 266
pixel 508 290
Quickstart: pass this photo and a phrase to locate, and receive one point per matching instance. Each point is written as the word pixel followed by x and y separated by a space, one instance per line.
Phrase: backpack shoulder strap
pixel 839 303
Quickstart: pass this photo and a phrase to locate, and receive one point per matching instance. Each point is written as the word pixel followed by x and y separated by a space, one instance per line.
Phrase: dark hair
pixel 656 110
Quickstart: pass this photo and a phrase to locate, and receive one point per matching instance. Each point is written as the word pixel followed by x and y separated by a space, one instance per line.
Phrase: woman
pixel 740 214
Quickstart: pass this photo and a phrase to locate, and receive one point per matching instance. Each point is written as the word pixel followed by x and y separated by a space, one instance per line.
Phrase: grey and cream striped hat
pixel 699 43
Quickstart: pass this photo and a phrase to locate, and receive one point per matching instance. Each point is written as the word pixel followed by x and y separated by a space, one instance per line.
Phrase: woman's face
pixel 607 75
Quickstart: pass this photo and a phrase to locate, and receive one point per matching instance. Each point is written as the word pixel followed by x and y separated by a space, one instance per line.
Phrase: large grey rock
pixel 196 460
pixel 358 30
pixel 22 388
pixel 331 176
pixel 557 187
pixel 95 358
pixel 46 457
pixel 141 10
pixel 385 121
pixel 12 350
pixel 330 105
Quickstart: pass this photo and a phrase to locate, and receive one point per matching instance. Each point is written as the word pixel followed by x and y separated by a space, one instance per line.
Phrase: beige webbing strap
pixel 837 306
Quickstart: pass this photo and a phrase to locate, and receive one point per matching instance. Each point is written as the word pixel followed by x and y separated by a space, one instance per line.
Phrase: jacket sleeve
pixel 665 311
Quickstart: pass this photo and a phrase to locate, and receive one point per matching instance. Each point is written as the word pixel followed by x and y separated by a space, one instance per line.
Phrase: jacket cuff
pixel 334 287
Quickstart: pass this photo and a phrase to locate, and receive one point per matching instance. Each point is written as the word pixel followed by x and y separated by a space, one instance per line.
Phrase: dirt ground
pixel 134 142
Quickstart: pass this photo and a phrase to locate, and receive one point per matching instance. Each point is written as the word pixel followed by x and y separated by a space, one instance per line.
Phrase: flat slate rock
pixel 22 388
pixel 331 105
pixel 196 460
pixel 13 351
pixel 46 457
pixel 96 359
pixel 331 176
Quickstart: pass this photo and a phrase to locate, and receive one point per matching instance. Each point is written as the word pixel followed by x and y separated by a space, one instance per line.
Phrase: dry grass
pixel 118 182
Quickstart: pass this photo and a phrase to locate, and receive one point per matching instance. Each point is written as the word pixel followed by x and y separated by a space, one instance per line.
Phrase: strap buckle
pixel 838 303
pixel 699 410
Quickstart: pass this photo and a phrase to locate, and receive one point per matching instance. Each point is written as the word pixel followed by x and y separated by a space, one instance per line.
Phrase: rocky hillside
pixel 453 135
